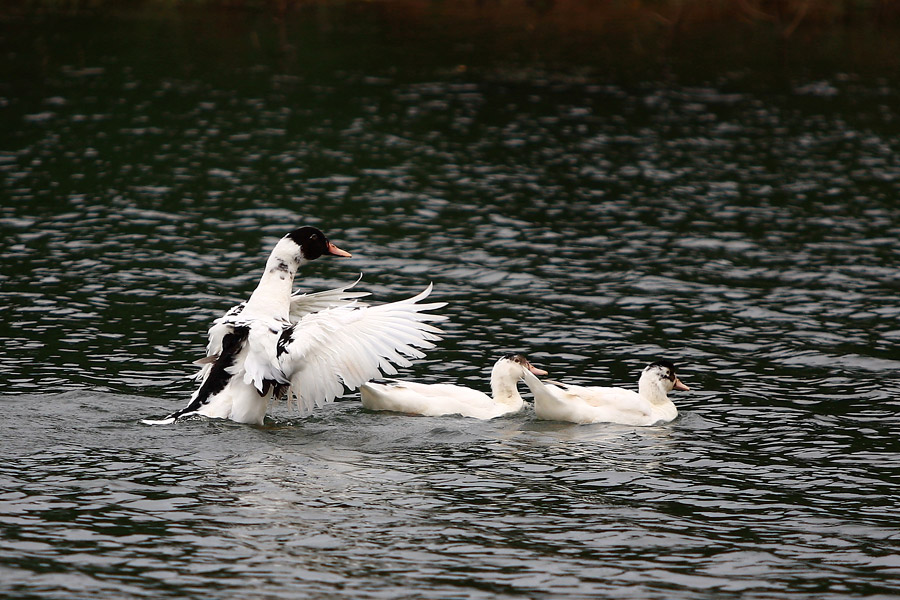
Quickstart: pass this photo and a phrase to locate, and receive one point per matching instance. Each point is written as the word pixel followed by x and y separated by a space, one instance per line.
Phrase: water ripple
pixel 749 237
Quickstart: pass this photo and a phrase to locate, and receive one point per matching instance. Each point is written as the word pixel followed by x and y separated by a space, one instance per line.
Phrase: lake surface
pixel 594 216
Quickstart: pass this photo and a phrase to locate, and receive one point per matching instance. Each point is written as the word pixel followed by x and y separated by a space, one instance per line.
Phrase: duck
pixel 434 400
pixel 650 405
pixel 306 347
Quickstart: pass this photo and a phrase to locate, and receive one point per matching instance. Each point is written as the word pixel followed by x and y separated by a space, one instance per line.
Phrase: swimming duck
pixel 444 399
pixel 306 346
pixel 576 404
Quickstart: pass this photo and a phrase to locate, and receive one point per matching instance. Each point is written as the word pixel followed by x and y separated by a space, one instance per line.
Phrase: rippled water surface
pixel 746 230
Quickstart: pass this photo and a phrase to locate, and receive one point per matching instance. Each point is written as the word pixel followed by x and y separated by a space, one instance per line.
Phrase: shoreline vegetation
pixel 821 36
pixel 784 16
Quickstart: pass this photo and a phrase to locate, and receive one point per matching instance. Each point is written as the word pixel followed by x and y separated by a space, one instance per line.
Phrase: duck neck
pixel 534 384
pixel 273 293
pixel 653 391
pixel 504 389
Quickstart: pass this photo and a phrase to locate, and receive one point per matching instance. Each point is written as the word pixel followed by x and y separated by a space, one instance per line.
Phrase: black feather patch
pixel 287 336
pixel 278 389
pixel 666 364
pixel 218 376
pixel 282 266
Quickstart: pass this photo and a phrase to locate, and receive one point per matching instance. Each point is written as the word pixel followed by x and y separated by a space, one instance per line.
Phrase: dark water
pixel 742 225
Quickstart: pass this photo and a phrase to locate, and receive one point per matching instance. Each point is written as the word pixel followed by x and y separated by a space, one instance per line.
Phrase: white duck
pixel 577 404
pixel 307 345
pixel 433 400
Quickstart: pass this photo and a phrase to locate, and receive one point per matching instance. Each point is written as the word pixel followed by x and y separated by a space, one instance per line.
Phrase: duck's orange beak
pixel 335 251
pixel 535 370
pixel 680 386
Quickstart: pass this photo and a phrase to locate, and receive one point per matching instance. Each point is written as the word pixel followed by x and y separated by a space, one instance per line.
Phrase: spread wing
pixel 349 344
pixel 221 327
pixel 301 305
pixel 304 304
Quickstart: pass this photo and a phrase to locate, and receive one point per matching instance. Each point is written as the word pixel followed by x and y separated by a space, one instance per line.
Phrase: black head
pixel 667 365
pixel 313 243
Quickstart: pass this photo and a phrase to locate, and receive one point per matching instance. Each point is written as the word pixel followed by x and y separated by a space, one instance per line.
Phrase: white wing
pixel 304 304
pixel 351 344
pixel 261 362
pixel 301 305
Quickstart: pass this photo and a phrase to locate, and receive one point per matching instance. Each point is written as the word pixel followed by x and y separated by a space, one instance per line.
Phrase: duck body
pixel 650 405
pixel 309 346
pixel 434 400
pixel 222 389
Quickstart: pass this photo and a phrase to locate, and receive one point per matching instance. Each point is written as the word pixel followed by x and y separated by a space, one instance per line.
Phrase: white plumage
pixel 433 400
pixel 347 345
pixel 309 346
pixel 304 304
pixel 578 404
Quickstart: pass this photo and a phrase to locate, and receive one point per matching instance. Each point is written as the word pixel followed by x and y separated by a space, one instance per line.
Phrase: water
pixel 743 227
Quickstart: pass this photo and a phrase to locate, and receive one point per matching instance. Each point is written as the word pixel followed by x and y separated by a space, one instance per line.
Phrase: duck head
pixel 661 375
pixel 515 365
pixel 505 377
pixel 311 243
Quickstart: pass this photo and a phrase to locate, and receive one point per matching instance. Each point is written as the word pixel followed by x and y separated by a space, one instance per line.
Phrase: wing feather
pixel 261 362
pixel 217 332
pixel 349 344
pixel 304 304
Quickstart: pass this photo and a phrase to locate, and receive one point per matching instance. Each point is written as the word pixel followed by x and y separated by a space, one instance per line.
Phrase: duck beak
pixel 680 386
pixel 535 370
pixel 335 251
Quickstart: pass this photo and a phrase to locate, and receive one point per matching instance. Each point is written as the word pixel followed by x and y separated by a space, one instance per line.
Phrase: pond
pixel 592 204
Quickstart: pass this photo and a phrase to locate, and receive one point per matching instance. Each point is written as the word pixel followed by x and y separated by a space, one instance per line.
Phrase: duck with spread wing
pixel 308 346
